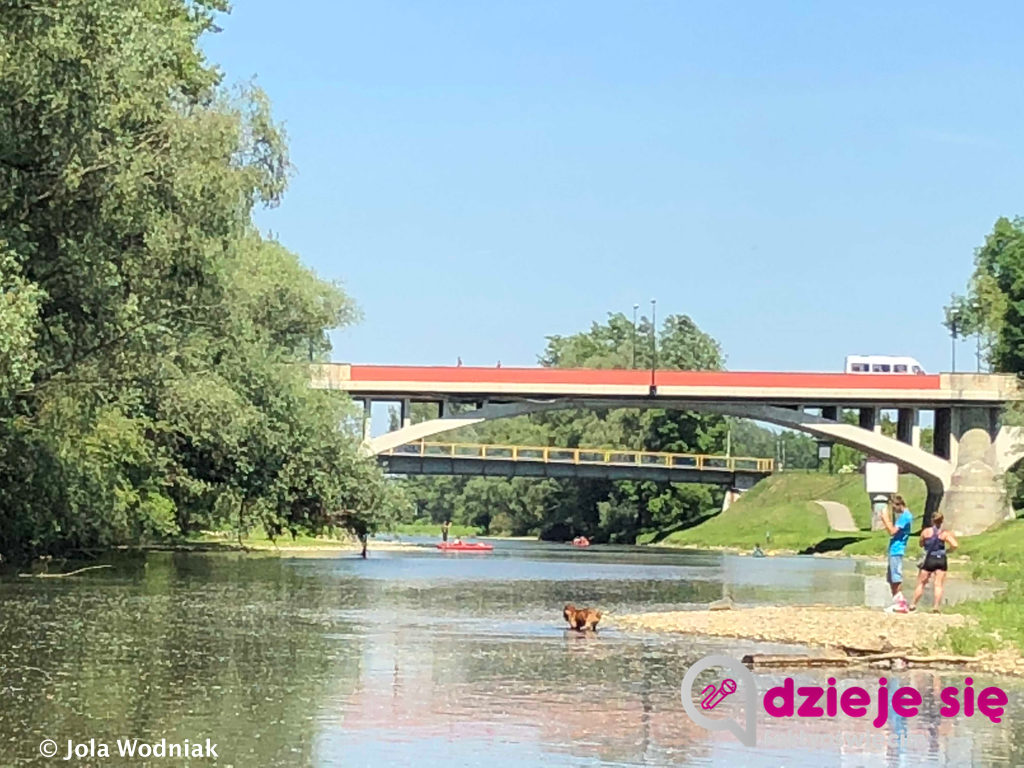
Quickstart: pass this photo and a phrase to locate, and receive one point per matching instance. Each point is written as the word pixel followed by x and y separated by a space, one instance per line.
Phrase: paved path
pixel 839 517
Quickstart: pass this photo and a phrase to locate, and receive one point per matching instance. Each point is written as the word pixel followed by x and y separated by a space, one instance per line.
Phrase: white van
pixel 883 364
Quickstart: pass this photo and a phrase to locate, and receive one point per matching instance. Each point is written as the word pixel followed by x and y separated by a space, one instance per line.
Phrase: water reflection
pixel 425 659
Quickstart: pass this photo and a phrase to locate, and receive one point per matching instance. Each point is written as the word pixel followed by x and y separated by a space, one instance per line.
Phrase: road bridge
pixel 972 446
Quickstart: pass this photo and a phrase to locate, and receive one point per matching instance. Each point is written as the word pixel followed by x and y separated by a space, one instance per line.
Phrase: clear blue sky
pixel 806 180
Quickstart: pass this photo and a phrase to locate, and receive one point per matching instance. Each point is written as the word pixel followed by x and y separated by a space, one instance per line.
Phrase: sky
pixel 805 180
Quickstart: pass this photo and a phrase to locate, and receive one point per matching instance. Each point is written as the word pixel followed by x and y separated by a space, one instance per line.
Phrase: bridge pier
pixel 868 419
pixel 975 498
pixel 908 427
pixel 367 420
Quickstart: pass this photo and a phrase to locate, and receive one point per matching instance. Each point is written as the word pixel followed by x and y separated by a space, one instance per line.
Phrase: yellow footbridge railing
pixel 611 456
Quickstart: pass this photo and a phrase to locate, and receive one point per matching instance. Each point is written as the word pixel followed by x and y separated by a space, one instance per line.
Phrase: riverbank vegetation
pixel 152 340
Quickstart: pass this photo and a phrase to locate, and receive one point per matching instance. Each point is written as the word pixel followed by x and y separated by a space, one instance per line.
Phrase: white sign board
pixel 881 477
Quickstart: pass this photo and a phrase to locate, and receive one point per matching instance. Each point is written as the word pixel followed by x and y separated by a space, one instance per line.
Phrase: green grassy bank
pixel 995 554
pixel 783 506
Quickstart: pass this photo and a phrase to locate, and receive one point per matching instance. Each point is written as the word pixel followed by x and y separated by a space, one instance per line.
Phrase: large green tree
pixel 993 308
pixel 151 340
pixel 994 311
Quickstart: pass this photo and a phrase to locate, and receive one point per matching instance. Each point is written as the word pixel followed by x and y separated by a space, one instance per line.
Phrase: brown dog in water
pixel 581 619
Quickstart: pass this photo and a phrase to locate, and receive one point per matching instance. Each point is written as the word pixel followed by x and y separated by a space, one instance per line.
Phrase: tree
pixel 152 343
pixel 994 306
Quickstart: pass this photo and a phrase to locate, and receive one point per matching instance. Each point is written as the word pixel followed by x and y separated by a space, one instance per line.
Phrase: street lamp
pixel 635 308
pixel 654 342
pixel 954 330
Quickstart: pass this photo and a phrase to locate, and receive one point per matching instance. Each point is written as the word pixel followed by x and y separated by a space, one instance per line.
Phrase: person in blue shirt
pixel 899 534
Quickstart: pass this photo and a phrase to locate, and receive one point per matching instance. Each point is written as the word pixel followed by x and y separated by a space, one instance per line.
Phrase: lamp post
pixel 953 329
pixel 633 363
pixel 654 342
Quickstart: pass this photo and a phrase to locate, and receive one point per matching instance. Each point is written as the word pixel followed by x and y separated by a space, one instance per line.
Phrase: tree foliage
pixel 993 308
pixel 151 339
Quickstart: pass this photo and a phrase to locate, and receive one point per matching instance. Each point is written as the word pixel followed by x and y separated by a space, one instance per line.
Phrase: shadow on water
pixel 830 544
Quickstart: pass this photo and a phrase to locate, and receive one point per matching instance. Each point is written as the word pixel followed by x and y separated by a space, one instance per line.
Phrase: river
pixel 422 658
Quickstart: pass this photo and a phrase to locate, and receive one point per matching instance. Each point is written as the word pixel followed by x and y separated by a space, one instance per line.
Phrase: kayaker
pixel 444 529
pixel 758 552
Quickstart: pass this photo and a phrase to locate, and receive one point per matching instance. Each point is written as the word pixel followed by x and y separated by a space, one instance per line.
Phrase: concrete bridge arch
pixel 934 470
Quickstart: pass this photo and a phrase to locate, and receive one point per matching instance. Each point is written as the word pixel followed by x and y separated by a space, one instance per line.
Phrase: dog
pixel 581 619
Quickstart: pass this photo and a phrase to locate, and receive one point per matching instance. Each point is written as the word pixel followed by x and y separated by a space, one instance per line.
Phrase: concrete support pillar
pixel 406 413
pixel 931 505
pixel 830 412
pixel 908 427
pixel 943 441
pixel 868 418
pixel 976 498
pixel 367 420
pixel 443 408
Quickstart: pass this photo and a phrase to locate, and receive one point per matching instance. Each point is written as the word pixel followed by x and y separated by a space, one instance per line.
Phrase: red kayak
pixel 581 541
pixel 465 546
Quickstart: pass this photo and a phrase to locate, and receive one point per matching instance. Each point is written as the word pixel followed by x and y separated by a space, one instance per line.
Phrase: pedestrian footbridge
pixel 434 458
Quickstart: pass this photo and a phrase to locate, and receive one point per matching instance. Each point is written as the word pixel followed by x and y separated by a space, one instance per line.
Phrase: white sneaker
pixel 899 604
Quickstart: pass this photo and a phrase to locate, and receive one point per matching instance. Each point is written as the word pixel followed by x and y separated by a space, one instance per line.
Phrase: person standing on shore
pixel 935 542
pixel 899 534
pixel 444 530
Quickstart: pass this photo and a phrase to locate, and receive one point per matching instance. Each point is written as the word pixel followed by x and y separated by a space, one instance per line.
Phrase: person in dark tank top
pixel 935 542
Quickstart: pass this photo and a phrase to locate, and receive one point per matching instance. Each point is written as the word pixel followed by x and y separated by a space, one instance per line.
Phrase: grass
pixel 783 505
pixel 792 526
pixel 996 553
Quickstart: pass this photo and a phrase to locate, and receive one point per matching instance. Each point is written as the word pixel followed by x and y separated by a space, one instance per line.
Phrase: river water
pixel 422 658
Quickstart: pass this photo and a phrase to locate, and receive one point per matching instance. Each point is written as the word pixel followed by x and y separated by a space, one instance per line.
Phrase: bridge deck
pixel 468 383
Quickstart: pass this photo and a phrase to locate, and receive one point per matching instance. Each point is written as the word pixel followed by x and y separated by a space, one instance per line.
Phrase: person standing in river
pixel 899 533
pixel 935 542
pixel 444 530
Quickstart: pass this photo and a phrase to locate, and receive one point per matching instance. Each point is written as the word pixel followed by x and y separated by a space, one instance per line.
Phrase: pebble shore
pixel 818 625
pixel 823 626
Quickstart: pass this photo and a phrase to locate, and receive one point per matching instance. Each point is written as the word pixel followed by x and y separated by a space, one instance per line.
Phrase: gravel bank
pixel 816 625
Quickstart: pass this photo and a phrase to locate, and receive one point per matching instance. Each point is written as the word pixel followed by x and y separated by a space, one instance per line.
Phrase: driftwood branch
pixel 772 660
pixel 62 575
